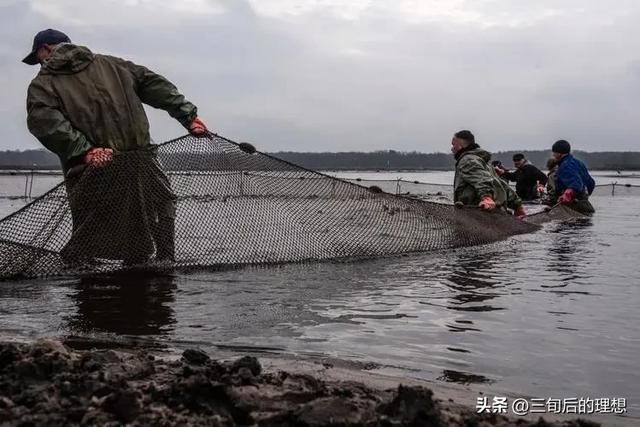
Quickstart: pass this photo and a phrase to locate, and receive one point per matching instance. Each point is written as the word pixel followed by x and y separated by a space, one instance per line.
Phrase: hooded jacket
pixel 475 178
pixel 81 100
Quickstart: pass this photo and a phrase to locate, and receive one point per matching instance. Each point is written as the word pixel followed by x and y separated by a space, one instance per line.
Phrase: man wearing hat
pixel 530 181
pixel 87 108
pixel 573 182
pixel 475 181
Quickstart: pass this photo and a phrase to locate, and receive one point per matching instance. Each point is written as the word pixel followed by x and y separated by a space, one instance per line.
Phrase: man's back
pixel 572 173
pixel 81 100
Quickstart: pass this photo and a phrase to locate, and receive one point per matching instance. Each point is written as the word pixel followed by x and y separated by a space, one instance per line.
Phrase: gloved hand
pixel 540 189
pixel 197 127
pixel 567 196
pixel 98 157
pixel 519 212
pixel 499 170
pixel 487 203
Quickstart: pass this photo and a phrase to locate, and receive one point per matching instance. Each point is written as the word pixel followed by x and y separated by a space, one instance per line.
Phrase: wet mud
pixel 46 383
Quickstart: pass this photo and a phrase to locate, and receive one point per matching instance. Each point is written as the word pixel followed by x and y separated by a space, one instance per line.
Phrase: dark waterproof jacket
pixel 475 178
pixel 572 173
pixel 81 100
pixel 526 179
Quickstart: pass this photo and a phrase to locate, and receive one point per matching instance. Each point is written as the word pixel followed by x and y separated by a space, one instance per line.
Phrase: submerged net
pixel 444 192
pixel 213 202
pixel 555 213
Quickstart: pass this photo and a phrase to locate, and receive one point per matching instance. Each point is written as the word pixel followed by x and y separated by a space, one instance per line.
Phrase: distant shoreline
pixel 377 161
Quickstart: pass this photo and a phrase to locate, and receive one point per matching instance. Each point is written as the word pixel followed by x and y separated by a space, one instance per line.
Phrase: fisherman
pixel 87 108
pixel 574 185
pixel 530 181
pixel 475 182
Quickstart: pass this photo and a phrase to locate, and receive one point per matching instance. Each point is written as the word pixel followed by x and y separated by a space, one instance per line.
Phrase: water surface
pixel 554 313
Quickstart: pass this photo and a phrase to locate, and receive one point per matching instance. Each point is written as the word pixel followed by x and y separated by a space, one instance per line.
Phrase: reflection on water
pixel 126 305
pixel 570 247
pixel 472 280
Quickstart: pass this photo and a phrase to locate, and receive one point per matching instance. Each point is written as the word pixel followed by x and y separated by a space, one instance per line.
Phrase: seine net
pixel 212 202
pixel 444 192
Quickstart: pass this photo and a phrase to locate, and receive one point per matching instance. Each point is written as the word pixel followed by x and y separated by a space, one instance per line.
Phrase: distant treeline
pixel 395 160
pixel 377 160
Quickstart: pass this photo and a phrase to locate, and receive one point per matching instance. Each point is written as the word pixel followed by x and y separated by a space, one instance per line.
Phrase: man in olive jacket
pixel 475 182
pixel 86 108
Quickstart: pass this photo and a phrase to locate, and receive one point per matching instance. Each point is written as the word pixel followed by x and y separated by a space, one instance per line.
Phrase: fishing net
pixel 444 192
pixel 212 202
pixel 555 213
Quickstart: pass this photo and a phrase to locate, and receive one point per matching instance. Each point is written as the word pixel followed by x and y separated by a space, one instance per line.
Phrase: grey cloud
pixel 318 82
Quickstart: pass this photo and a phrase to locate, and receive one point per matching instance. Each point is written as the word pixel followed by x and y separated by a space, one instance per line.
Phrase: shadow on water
pixel 120 310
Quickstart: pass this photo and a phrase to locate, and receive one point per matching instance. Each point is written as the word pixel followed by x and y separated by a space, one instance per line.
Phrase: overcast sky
pixel 338 75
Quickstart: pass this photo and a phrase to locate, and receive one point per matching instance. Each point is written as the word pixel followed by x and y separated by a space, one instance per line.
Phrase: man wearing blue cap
pixel 86 108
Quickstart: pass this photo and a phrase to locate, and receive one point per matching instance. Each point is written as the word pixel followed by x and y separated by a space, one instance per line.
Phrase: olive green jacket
pixel 81 100
pixel 475 178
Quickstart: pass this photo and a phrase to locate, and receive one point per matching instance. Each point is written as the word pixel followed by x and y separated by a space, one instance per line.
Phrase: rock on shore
pixel 45 383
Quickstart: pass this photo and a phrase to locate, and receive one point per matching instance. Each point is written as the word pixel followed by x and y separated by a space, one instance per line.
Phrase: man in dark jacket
pixel 87 108
pixel 475 181
pixel 574 184
pixel 530 181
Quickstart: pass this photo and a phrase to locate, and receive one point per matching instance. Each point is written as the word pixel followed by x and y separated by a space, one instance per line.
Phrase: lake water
pixel 549 314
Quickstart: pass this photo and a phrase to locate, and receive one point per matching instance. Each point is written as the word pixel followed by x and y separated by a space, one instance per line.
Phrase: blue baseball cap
pixel 42 38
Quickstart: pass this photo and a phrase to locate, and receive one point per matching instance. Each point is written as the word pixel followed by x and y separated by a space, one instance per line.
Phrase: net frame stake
pixel 26 184
pixel 31 184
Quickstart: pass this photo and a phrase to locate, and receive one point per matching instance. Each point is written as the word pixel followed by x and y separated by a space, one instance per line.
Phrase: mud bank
pixel 46 383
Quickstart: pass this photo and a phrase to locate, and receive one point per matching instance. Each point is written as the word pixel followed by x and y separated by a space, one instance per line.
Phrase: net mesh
pixel 433 192
pixel 213 202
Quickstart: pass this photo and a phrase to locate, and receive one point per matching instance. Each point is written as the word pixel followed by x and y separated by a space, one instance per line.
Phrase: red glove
pixel 540 189
pixel 499 170
pixel 519 212
pixel 487 203
pixel 197 127
pixel 567 196
pixel 98 157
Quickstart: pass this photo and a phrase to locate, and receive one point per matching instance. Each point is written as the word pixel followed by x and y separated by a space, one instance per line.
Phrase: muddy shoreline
pixel 46 383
